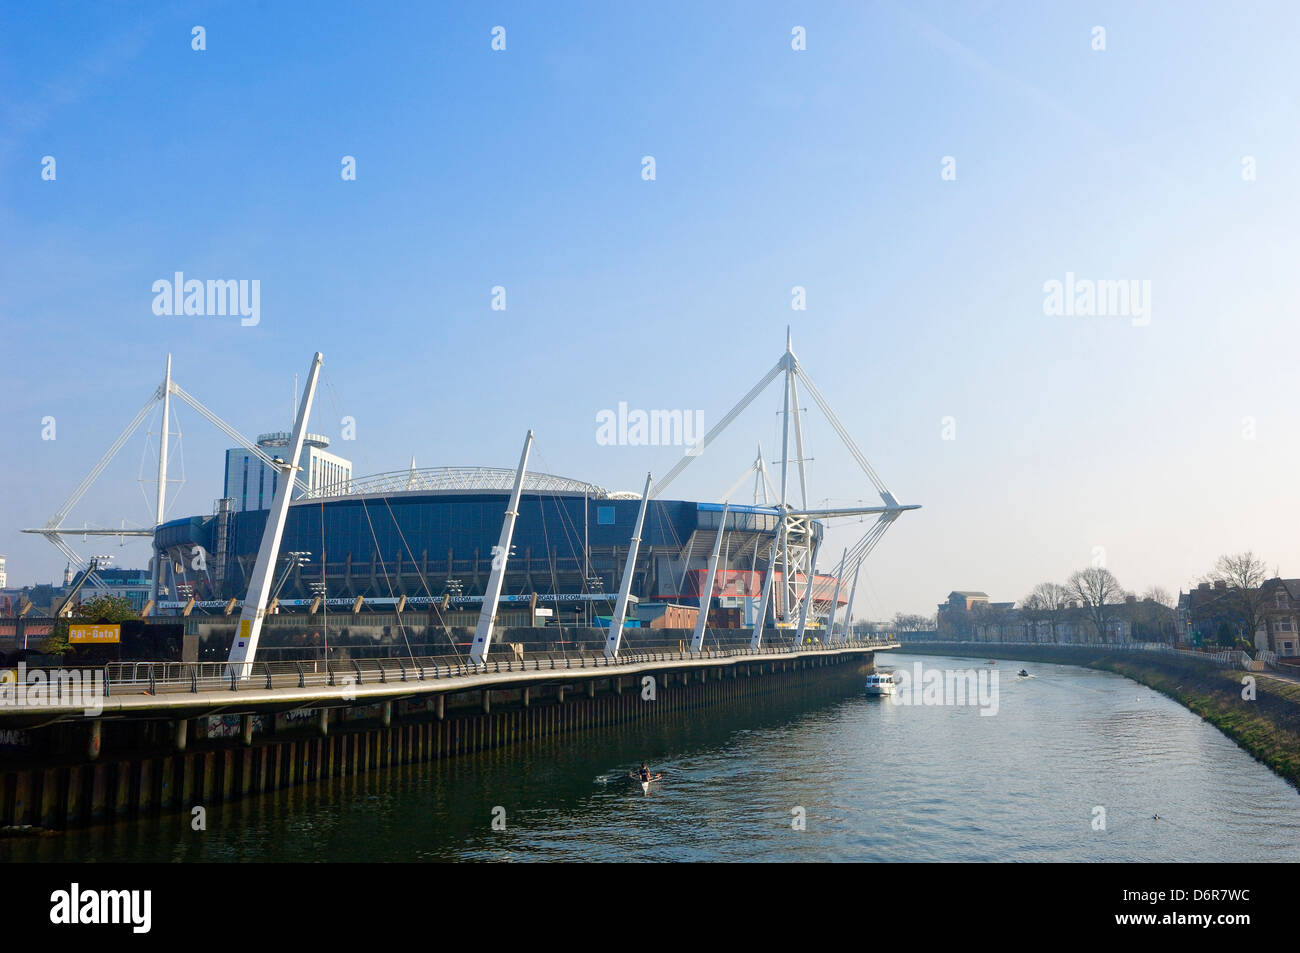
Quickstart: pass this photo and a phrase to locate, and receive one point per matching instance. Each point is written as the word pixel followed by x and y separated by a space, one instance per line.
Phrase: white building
pixel 4 576
pixel 252 484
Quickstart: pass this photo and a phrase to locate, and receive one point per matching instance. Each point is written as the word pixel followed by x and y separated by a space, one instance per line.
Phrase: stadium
pixel 428 535
pixel 406 557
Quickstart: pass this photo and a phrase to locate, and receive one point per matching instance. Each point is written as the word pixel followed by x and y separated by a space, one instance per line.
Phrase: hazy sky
pixel 1166 438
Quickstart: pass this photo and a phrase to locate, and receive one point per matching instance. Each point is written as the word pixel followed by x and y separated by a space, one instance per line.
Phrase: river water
pixel 869 779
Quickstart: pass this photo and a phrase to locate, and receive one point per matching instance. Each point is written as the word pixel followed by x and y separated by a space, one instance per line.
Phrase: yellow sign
pixel 89 634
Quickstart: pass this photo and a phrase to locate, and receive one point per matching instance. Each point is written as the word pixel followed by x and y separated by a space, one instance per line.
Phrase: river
pixel 823 778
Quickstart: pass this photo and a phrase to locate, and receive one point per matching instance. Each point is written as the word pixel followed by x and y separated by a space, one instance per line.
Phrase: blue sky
pixel 775 168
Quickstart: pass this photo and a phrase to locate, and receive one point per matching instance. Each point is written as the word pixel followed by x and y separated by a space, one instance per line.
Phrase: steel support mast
pixel 706 594
pixel 500 557
pixel 243 651
pixel 162 476
pixel 615 638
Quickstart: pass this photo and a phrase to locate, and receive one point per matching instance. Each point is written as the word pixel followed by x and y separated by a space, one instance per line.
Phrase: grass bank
pixel 1268 727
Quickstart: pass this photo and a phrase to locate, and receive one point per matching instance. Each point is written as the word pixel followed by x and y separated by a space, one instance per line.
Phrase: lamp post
pixel 595 587
pixel 318 590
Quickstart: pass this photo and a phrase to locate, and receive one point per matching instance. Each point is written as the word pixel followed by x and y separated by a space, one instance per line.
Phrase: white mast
pixel 243 650
pixel 706 594
pixel 848 610
pixel 807 593
pixel 625 587
pixel 835 599
pixel 500 555
pixel 162 477
pixel 760 620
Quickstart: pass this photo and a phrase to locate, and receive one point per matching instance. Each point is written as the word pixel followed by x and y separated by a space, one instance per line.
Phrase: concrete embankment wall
pixel 1267 725
pixel 141 770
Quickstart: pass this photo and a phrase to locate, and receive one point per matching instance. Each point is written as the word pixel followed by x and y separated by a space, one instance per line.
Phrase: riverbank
pixel 92 773
pixel 1268 727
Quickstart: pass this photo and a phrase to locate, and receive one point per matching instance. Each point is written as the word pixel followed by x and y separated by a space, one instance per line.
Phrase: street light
pixel 318 589
pixel 293 559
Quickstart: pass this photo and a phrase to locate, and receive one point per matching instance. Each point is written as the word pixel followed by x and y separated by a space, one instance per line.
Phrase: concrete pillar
pixel 22 798
pixel 166 789
pixel 591 688
pixel 96 741
pixel 487 701
pixel 182 733
pixel 559 694
pixel 323 722
pixel 48 797
pixel 186 782
pixel 441 707
pixel 145 802
pixel 72 800
pixel 246 726
pixel 227 775
pixel 525 696
pixel 99 794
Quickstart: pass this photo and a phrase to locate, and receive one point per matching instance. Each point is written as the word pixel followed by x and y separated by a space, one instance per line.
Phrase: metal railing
pixel 194 677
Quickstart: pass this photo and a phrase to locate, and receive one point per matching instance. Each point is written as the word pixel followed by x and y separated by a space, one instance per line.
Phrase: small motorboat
pixel 1022 673
pixel 991 662
pixel 880 683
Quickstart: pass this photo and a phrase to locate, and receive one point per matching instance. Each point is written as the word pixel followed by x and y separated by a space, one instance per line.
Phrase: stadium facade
pixel 429 534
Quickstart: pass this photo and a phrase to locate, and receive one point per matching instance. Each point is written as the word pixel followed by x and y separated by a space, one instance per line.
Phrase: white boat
pixel 880 683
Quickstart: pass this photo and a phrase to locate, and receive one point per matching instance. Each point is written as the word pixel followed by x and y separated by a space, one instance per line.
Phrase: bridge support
pixel 243 649
pixel 625 587
pixel 246 729
pixel 848 609
pixel 95 742
pixel 835 600
pixel 182 733
pixel 160 510
pixel 500 555
pixel 760 620
pixel 706 593
pixel 323 722
pixel 807 594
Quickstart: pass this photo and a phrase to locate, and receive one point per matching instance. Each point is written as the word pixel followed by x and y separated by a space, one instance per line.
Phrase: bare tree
pixel 1034 610
pixel 1154 615
pixel 1244 574
pixel 1160 596
pixel 907 622
pixel 1099 592
pixel 1054 598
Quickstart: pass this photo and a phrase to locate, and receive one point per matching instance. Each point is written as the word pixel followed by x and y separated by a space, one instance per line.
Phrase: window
pixel 1280 600
pixel 604 516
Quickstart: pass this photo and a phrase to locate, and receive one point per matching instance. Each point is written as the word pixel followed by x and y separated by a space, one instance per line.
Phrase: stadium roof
pixel 453 480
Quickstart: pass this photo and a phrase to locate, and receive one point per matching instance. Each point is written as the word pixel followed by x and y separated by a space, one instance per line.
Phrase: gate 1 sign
pixel 79 634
